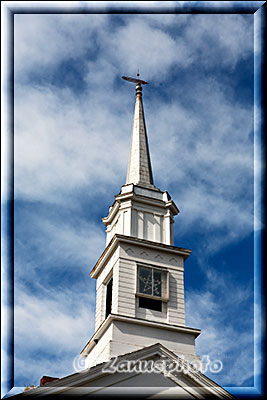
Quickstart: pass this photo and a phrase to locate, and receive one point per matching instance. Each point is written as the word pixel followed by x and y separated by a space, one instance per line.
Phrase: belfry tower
pixel 140 274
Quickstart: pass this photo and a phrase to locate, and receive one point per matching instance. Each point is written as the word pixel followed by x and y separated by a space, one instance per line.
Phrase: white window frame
pixel 164 272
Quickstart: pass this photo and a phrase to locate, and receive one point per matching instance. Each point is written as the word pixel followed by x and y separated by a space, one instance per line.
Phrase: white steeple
pixel 140 209
pixel 140 274
pixel 139 166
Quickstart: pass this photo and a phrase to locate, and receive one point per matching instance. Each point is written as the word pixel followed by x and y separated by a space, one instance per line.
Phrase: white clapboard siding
pixel 124 301
pixel 152 315
pixel 100 301
pixel 126 288
pixel 176 314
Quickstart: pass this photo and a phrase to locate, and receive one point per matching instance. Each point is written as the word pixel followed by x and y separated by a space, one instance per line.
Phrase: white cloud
pixel 222 338
pixel 45 40
pixel 48 328
pixel 220 39
pixel 56 242
pixel 60 320
pixel 63 144
pixel 205 40
pixel 207 160
pixel 147 41
pixel 53 321
pixel 101 74
pixel 136 45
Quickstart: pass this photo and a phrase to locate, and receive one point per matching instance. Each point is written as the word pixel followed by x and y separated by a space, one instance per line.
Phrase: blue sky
pixel 73 118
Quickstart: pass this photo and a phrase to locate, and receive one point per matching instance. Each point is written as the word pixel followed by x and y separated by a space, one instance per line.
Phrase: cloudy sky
pixel 73 118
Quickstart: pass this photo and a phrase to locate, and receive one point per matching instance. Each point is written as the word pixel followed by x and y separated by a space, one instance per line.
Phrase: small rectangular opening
pixel 109 297
pixel 151 304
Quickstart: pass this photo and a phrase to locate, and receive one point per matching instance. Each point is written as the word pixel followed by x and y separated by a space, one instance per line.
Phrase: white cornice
pixel 132 240
pixel 112 212
pixel 133 320
pixel 141 195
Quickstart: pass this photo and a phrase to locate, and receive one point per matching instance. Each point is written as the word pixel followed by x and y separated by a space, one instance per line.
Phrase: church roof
pixel 181 378
pixel 139 167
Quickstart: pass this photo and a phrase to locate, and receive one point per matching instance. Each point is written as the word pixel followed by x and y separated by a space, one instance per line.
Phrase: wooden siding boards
pixel 100 300
pixel 176 314
pixel 127 309
pixel 126 287
pixel 173 312
pixel 127 292
pixel 123 264
pixel 124 279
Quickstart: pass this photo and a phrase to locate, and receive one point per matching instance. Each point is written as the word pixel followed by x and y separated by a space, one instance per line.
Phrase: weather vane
pixel 135 80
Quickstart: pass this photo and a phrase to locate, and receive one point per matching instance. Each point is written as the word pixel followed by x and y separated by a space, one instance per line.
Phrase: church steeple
pixel 139 167
pixel 140 283
pixel 141 210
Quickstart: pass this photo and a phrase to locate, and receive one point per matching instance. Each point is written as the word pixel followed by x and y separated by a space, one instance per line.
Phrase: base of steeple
pixel 122 334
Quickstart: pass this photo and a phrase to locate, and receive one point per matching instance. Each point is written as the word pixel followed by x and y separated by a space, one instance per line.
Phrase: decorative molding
pixel 144 254
pixel 118 239
pixel 129 251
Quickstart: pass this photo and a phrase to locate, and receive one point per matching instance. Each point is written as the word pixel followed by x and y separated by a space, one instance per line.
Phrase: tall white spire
pixel 139 166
